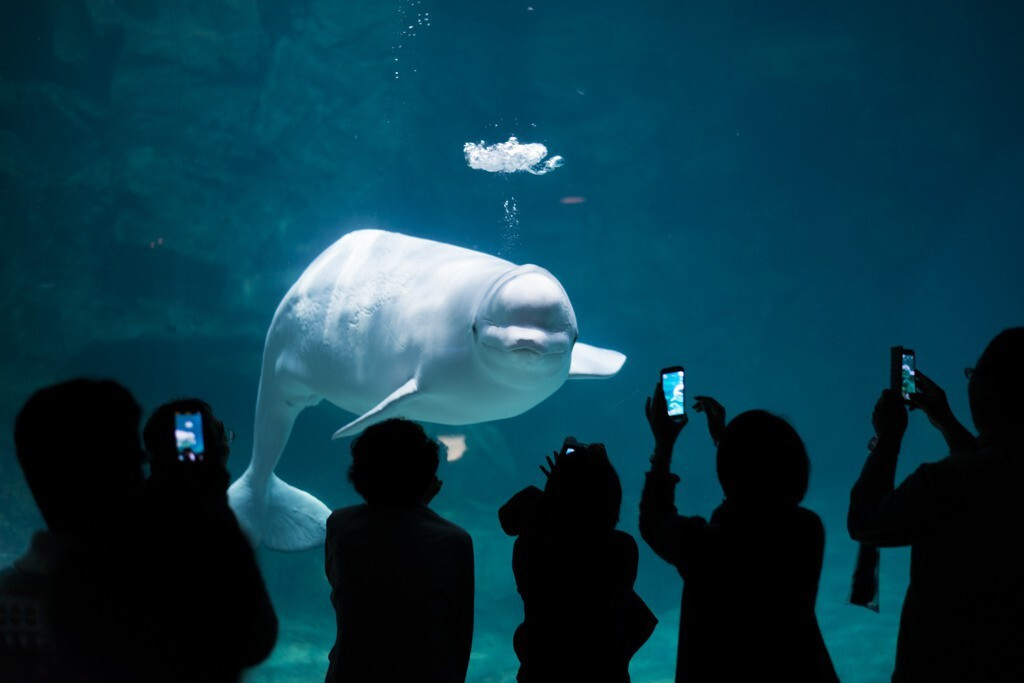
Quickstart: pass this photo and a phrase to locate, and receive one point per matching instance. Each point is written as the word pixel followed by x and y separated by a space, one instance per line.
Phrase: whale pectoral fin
pixel 389 407
pixel 591 362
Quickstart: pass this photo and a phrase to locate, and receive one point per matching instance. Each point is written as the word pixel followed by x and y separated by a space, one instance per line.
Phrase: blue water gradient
pixel 770 194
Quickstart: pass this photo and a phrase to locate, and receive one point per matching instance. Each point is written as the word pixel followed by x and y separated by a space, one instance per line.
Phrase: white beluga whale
pixel 384 325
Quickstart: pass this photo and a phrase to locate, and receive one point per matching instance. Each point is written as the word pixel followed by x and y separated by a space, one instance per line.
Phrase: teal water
pixel 771 194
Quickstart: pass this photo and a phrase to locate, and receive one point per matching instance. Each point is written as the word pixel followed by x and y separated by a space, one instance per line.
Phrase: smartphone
pixel 673 386
pixel 902 369
pixel 188 435
pixel 569 445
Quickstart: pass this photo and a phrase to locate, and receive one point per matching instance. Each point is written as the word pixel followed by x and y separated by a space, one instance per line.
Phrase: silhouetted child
pixel 575 572
pixel 751 572
pixel 78 445
pixel 963 520
pixel 401 576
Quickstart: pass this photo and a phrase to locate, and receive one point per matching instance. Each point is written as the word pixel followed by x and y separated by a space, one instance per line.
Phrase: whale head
pixel 525 328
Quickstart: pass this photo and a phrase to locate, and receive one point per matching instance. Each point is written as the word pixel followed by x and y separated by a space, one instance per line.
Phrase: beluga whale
pixel 383 325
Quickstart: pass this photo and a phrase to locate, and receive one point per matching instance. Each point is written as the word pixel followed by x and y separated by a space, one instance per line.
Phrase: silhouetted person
pixel 181 597
pixel 931 400
pixel 78 445
pixel 401 576
pixel 963 519
pixel 750 572
pixel 575 572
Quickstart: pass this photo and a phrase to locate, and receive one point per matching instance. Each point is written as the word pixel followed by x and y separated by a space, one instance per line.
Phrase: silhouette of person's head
pixel 78 444
pixel 583 491
pixel 762 461
pixel 394 463
pixel 996 388
pixel 162 446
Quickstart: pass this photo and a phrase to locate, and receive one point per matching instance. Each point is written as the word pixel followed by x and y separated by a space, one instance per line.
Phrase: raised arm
pixel 931 400
pixel 665 531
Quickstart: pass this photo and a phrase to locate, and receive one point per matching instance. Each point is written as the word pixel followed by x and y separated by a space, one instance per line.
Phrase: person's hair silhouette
pixel 996 388
pixel 751 571
pixel 761 460
pixel 78 444
pixel 575 572
pixel 962 518
pixel 401 576
pixel 395 464
pixel 583 492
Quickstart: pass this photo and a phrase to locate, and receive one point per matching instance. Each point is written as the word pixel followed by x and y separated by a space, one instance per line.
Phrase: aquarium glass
pixel 771 194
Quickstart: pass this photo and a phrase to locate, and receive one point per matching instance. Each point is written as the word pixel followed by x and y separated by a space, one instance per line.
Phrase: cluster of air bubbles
pixel 510 229
pixel 413 18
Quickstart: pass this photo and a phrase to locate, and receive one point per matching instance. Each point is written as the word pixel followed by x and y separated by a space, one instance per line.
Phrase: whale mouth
pixel 525 341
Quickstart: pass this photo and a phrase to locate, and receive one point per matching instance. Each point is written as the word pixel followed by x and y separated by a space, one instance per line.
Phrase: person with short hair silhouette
pixel 963 520
pixel 78 446
pixel 401 575
pixel 751 571
pixel 575 572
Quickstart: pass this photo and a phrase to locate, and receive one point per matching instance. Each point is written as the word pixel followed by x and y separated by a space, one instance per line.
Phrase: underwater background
pixel 771 194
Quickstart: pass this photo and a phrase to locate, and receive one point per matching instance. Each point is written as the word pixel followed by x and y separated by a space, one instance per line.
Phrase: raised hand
pixel 552 461
pixel 555 458
pixel 664 428
pixel 930 398
pixel 932 401
pixel 715 413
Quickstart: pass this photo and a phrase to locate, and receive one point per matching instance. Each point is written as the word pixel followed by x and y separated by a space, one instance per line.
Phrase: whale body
pixel 385 325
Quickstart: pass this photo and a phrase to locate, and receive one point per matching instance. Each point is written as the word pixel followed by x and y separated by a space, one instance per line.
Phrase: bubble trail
pixel 510 231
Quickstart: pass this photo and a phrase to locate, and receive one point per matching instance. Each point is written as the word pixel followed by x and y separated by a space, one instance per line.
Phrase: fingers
pixel 924 379
pixel 552 461
pixel 707 402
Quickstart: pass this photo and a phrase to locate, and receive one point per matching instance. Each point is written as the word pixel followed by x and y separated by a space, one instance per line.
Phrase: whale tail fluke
pixel 282 518
pixel 295 520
